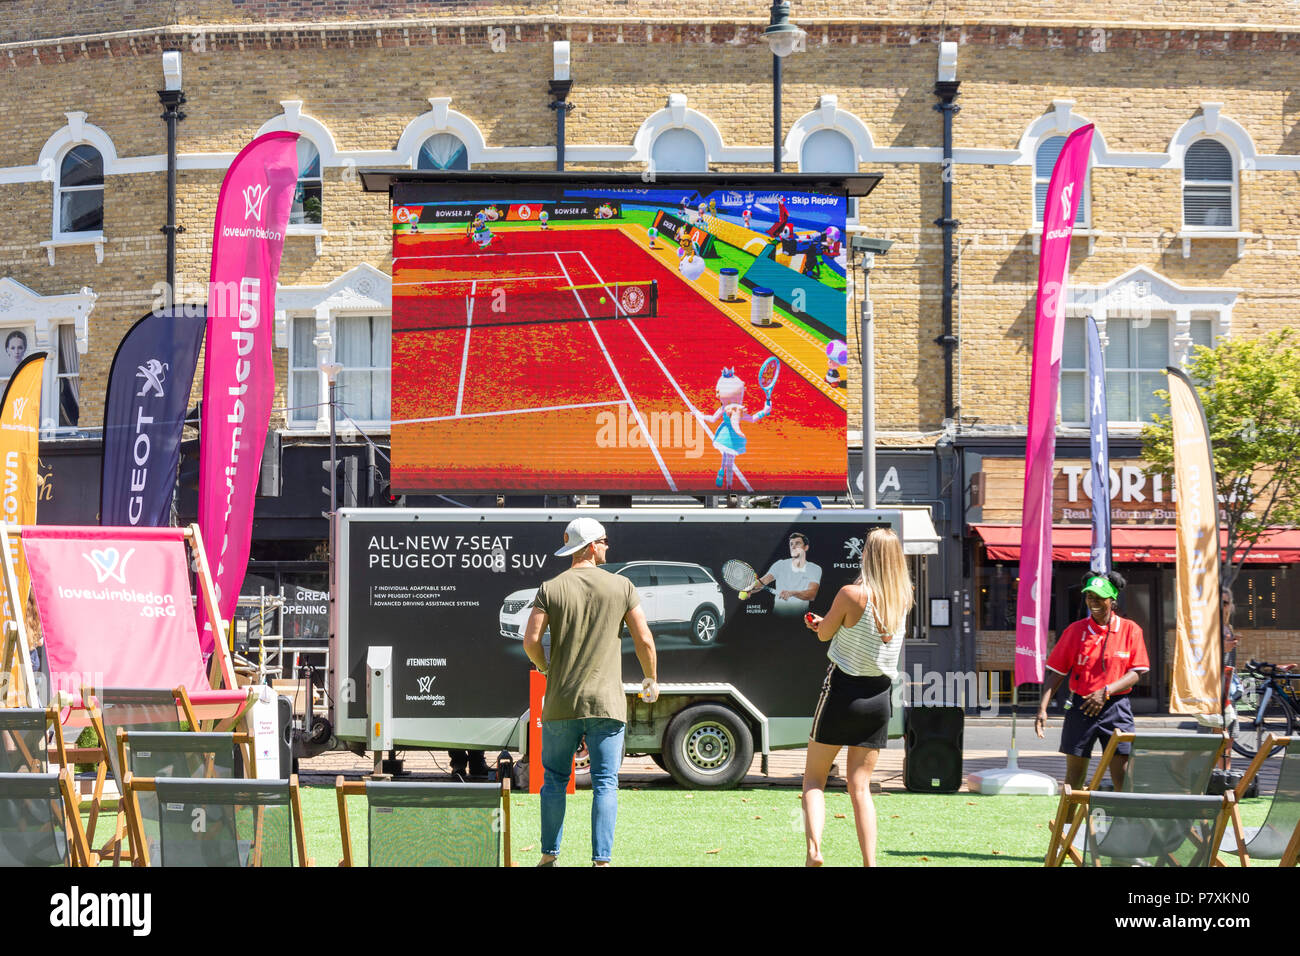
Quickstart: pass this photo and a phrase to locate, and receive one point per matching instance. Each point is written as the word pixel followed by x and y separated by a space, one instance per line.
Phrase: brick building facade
pixel 1189 231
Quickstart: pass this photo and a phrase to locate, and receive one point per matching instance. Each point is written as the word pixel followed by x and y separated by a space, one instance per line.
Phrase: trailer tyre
pixel 705 626
pixel 708 747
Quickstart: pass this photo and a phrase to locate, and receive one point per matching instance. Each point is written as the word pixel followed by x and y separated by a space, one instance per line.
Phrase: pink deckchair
pixel 116 612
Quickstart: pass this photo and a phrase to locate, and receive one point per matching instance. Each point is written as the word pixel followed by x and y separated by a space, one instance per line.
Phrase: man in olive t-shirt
pixel 585 609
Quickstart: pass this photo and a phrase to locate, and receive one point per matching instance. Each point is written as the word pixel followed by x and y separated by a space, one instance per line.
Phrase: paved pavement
pixel 986 741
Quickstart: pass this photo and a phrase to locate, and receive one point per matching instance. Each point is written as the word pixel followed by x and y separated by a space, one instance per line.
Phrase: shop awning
pixel 919 536
pixel 1154 544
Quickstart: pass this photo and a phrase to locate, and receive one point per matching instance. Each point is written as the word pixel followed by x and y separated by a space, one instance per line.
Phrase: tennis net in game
pixel 483 304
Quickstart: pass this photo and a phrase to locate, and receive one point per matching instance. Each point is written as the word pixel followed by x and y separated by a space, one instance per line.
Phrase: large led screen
pixel 659 339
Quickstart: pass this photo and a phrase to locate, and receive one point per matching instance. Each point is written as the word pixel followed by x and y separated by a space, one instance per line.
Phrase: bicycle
pixel 1269 704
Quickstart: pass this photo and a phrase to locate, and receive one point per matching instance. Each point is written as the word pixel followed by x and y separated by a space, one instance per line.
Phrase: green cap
pixel 1101 587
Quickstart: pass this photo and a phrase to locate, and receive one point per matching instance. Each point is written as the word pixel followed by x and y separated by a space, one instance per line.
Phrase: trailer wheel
pixel 704 626
pixel 708 747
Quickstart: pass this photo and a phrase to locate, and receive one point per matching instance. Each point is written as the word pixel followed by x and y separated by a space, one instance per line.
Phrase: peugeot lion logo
pixel 426 684
pixel 854 548
pixel 20 406
pixel 154 374
pixel 1066 195
pixel 109 564
pixel 254 200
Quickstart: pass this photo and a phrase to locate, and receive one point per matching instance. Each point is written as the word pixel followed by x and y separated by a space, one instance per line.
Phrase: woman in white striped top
pixel 865 630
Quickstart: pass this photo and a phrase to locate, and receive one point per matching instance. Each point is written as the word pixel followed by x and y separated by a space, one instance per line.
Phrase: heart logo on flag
pixel 109 564
pixel 254 198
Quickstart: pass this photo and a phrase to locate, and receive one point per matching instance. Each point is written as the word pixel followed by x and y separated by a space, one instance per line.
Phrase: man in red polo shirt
pixel 1103 655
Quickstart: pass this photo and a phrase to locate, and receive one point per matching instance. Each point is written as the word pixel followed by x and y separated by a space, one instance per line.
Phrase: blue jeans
pixel 560 739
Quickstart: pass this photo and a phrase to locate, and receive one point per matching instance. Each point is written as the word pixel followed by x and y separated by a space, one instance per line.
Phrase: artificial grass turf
pixel 665 826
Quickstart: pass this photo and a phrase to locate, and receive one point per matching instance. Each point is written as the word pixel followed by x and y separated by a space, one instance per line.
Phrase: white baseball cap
pixel 580 533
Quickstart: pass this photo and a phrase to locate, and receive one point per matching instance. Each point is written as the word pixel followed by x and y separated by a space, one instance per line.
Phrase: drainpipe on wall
pixel 945 88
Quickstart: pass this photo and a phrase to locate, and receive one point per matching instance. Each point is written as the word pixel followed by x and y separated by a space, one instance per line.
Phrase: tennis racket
pixel 767 373
pixel 741 576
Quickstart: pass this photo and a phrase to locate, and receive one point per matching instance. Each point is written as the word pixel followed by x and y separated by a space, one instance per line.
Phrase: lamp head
pixel 560 59
pixel 781 35
pixel 171 69
pixel 331 370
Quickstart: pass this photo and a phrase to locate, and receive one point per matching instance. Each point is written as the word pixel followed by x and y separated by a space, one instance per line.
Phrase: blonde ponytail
pixel 885 577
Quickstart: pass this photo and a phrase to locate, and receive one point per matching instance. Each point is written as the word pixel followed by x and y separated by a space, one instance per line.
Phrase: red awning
pixel 1153 544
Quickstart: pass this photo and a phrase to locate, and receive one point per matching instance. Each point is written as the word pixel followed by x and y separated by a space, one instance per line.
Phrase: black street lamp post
pixel 172 98
pixel 784 38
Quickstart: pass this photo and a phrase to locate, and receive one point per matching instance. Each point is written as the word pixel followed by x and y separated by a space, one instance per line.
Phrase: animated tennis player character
pixel 729 438
pixel 479 233
pixel 544 218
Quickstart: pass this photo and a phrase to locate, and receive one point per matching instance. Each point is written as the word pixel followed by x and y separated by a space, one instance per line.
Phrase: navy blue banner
pixel 144 415
pixel 1099 445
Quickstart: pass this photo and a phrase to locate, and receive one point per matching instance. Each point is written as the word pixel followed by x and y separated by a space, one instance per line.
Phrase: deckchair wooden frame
pixel 60 746
pixel 76 832
pixel 357 788
pixel 78 848
pixel 138 853
pixel 1239 833
pixel 1078 803
pixel 134 785
pixel 1061 847
pixel 100 754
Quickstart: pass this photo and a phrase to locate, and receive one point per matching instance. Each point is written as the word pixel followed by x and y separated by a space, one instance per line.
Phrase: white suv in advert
pixel 674 595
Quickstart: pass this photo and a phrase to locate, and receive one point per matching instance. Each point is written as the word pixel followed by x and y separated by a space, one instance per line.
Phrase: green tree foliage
pixel 1250 390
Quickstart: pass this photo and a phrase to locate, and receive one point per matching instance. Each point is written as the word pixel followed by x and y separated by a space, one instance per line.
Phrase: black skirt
pixel 853 711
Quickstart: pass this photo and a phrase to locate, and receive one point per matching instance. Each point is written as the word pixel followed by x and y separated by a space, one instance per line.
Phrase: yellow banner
pixel 1198 654
pixel 20 418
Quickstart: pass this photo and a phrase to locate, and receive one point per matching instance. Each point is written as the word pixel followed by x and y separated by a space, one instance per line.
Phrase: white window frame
pixel 1234 186
pixel 45 339
pixel 704 148
pixel 1138 293
pixel 308 228
pixel 443 132
pixel 57 231
pixel 1113 328
pixel 851 209
pixel 1083 218
pixel 325 345
pixel 363 290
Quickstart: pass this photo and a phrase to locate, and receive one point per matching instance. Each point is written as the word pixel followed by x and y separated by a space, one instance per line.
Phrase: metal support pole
pixel 776 113
pixel 947 91
pixel 867 338
pixel 334 462
pixel 559 93
pixel 172 101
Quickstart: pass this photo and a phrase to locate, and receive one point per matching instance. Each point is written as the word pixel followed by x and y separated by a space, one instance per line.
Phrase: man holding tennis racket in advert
pixel 793 581
pixel 796 579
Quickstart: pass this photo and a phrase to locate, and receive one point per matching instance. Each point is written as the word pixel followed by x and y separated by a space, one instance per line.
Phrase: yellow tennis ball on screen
pixel 743 595
pixel 602 300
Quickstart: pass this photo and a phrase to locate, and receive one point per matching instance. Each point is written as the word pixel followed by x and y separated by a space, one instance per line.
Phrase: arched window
pixel 81 190
pixel 1044 162
pixel 306 209
pixel 830 151
pixel 679 151
pixel 442 151
pixel 1209 186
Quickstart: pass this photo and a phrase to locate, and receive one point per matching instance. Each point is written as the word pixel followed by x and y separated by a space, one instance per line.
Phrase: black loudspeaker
pixel 932 749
